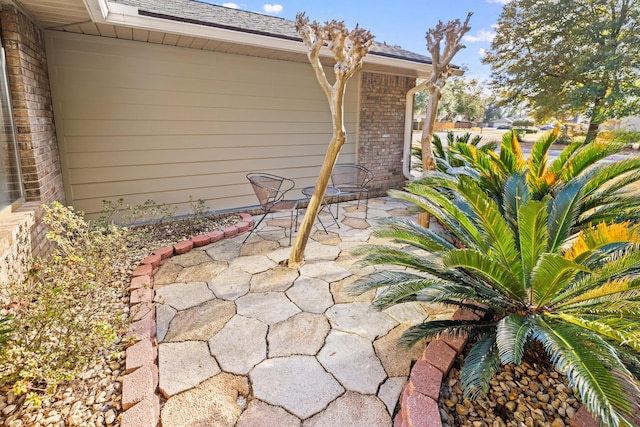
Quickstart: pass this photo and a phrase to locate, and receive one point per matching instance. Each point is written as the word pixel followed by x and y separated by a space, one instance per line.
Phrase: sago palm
pixel 523 267
pixel 606 197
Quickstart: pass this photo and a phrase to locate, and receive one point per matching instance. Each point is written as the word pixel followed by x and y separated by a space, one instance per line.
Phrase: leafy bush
pixel 627 137
pixel 522 123
pixel 61 317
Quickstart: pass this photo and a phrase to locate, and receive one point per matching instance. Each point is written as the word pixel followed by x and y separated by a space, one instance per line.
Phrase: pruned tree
pixel 451 33
pixel 349 49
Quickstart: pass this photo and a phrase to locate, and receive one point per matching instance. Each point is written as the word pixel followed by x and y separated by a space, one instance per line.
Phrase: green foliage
pixel 460 97
pixel 60 318
pixel 522 123
pixel 446 155
pixel 627 137
pixel 567 57
pixel 546 251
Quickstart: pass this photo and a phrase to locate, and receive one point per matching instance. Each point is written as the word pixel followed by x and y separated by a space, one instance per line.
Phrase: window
pixel 11 188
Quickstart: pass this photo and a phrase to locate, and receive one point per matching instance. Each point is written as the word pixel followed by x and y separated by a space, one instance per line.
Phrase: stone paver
pixel 224 250
pixel 390 392
pixel 214 403
pixel 262 414
pixel 200 323
pixel 166 275
pixel 202 272
pixel 311 295
pixel 240 345
pixel 183 365
pixel 351 359
pixel 352 410
pixel 164 316
pixel 268 307
pixel 321 253
pixel 303 333
pixel 275 279
pixel 183 295
pixel 230 284
pixel 252 264
pixel 190 259
pixel 342 292
pixel 262 247
pixel 360 318
pixel 297 383
pixel 395 358
pixel 328 271
pixel 408 312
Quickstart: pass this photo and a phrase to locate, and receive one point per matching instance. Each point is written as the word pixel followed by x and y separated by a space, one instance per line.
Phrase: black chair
pixel 352 178
pixel 270 190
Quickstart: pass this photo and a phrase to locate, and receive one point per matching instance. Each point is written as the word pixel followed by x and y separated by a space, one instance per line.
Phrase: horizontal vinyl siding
pixel 139 121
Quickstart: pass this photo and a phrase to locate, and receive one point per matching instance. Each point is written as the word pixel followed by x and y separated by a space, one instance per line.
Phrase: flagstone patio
pixel 245 341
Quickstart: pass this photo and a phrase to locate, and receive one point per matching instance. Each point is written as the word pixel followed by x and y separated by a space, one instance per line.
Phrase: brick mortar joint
pixel 154 392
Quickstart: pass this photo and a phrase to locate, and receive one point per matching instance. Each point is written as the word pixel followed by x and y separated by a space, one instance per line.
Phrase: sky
pixel 401 22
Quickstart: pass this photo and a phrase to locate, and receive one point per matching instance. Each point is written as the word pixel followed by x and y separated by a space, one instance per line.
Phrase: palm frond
pixel 446 212
pixel 404 230
pixel 514 195
pixel 614 266
pixel 616 329
pixel 532 230
pixel 560 162
pixel 493 226
pixel 433 328
pixel 512 333
pixel 615 290
pixel 479 366
pixel 538 156
pixel 586 359
pixel 600 237
pixel 496 274
pixel 466 295
pixel 551 275
pixel 388 255
pixel 587 156
pixel 563 212
pixel 607 173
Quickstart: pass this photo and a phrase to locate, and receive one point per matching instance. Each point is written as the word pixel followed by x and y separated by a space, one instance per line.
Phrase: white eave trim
pixel 106 12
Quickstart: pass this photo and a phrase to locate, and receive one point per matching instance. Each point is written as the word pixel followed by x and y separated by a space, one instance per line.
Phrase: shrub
pixel 61 313
pixel 532 273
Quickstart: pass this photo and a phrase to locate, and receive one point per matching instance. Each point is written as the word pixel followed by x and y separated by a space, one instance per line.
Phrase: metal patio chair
pixel 352 178
pixel 270 190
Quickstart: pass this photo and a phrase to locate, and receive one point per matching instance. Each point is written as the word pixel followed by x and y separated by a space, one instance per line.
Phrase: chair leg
pixel 291 226
pixel 255 227
pixel 366 205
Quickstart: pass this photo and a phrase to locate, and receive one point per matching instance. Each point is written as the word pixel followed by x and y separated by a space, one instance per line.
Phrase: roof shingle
pixel 200 13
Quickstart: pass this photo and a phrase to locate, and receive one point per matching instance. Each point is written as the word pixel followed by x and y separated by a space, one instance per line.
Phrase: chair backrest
pixel 269 188
pixel 350 175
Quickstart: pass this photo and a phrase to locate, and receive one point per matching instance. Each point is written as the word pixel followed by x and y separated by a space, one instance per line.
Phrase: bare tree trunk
pixel 592 132
pixel 299 245
pixel 428 159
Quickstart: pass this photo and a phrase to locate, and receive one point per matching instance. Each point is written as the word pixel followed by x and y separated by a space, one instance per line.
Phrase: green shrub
pixel 63 312
pixel 627 137
pixel 533 279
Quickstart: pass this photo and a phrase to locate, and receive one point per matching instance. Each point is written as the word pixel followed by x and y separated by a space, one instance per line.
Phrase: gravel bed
pixel 95 398
pixel 530 395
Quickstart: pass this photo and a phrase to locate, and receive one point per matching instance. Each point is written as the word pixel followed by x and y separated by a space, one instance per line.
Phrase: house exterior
pixel 148 99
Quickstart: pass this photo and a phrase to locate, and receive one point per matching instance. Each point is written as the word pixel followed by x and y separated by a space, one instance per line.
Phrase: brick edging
pixel 419 397
pixel 140 399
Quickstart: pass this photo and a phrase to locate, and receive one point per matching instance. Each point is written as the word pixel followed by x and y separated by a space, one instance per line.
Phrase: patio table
pixel 329 192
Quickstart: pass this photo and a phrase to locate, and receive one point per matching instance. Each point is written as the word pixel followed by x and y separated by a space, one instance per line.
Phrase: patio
pixel 245 341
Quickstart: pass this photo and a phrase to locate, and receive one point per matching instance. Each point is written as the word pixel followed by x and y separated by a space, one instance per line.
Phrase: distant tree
pixel 580 56
pixel 492 111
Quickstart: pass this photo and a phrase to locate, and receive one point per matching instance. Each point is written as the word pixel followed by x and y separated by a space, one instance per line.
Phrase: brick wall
pixel 28 77
pixel 382 110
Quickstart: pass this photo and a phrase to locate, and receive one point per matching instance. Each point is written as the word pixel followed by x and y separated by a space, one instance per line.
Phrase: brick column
pixel 28 77
pixel 382 111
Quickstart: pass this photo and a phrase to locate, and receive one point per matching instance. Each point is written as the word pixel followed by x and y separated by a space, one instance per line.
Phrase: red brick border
pixel 140 400
pixel 419 398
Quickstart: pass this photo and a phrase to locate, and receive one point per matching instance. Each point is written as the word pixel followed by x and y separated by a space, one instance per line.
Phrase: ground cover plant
pixel 57 318
pixel 549 254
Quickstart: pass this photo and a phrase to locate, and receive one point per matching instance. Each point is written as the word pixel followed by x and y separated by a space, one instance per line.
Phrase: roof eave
pixel 104 11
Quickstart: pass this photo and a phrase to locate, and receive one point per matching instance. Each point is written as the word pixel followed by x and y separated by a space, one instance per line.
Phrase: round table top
pixel 330 191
